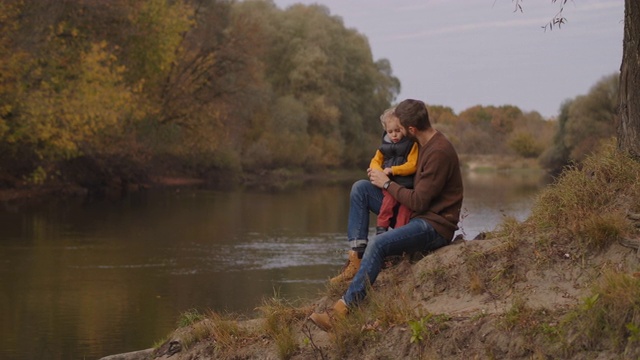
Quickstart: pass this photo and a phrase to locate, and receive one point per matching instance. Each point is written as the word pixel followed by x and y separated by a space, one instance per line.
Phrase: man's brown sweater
pixel 437 187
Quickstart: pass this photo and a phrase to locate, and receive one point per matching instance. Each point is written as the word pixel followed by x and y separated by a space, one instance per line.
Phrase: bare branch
pixel 557 20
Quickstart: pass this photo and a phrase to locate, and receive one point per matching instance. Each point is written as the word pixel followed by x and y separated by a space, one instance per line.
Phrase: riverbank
pixel 470 300
pixel 562 284
pixel 276 180
pixel 488 163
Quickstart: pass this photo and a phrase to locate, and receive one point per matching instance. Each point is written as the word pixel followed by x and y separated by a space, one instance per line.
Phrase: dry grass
pixel 348 333
pixel 492 271
pixel 436 274
pixel 498 269
pixel 533 322
pixel 586 208
pixel 280 317
pixel 608 318
pixel 195 327
pixel 225 332
pixel 389 305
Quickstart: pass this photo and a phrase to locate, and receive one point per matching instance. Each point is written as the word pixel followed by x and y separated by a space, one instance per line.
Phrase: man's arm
pixel 427 186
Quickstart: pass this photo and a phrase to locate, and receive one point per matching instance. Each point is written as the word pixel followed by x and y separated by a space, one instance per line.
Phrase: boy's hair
pixel 413 113
pixel 386 115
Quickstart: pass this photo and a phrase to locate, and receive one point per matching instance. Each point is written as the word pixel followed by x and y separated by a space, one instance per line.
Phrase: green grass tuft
pixel 607 319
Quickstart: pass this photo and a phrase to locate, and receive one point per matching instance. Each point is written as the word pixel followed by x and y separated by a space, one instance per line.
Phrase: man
pixel 435 202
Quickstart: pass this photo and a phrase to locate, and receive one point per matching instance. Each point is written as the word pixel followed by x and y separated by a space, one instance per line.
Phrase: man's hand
pixel 377 177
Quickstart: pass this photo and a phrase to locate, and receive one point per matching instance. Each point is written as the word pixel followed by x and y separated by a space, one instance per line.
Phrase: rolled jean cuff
pixel 357 243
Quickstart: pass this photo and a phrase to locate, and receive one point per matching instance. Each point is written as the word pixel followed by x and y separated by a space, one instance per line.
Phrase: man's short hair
pixel 413 113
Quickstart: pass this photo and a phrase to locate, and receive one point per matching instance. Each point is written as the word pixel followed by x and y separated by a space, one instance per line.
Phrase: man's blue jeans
pixel 416 236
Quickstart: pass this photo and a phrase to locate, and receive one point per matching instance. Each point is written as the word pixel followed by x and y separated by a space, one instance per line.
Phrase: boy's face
pixel 394 130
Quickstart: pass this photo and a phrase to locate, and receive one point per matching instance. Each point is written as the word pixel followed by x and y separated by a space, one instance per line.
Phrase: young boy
pixel 396 157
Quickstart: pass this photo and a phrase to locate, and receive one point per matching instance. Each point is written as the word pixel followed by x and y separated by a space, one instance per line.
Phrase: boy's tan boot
pixel 349 270
pixel 325 320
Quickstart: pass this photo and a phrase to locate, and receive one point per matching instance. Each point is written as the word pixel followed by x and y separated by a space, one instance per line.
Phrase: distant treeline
pixel 93 92
pixel 583 122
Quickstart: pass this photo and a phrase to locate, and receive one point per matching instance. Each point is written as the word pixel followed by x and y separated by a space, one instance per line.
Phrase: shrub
pixel 525 145
pixel 586 207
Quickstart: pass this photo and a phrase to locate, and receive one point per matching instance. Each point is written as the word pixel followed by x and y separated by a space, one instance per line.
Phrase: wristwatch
pixel 386 185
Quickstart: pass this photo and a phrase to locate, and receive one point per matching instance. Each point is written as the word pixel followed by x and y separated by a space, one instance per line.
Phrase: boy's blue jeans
pixel 416 236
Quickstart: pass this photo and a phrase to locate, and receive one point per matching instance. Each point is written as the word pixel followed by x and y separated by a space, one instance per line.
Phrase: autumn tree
pixel 592 118
pixel 556 156
pixel 442 115
pixel 70 96
pixel 329 70
pixel 531 135
pixel 107 90
pixel 583 123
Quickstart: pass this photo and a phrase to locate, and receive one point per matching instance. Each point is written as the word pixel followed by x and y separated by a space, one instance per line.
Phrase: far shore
pixel 267 180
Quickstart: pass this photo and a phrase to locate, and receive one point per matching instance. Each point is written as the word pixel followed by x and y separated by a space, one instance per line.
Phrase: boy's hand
pixel 388 171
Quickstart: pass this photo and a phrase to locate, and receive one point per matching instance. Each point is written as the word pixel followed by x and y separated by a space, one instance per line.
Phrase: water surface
pixel 85 279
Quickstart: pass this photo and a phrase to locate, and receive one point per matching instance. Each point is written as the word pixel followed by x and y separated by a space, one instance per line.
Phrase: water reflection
pixel 88 279
pixel 489 197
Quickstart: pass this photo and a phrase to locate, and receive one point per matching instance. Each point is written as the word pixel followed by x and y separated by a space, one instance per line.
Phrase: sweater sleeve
pixel 377 161
pixel 409 167
pixel 427 186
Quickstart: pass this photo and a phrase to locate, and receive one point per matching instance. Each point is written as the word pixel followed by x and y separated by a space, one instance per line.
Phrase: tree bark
pixel 629 125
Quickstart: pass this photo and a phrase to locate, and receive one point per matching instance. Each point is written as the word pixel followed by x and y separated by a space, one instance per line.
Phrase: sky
pixel 483 52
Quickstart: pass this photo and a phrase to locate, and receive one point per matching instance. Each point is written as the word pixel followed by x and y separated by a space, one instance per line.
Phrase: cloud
pixel 586 8
pixel 596 6
pixel 421 5
pixel 467 28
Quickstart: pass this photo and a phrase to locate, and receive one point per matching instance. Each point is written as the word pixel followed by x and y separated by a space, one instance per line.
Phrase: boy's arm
pixel 377 161
pixel 408 168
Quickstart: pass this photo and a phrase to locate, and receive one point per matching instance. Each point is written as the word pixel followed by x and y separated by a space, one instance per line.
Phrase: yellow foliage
pixel 161 26
pixel 63 117
pixel 525 144
pixel 12 62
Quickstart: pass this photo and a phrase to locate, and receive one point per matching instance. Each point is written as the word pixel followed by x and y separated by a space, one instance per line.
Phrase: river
pixel 83 279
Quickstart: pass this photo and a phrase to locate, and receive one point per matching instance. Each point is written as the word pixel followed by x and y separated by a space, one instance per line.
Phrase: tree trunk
pixel 629 125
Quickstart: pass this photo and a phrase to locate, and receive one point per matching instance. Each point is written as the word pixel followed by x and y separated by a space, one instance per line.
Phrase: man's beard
pixel 410 136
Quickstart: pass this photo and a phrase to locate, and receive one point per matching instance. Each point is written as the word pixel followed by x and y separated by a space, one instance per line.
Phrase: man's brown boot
pixel 325 320
pixel 349 270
